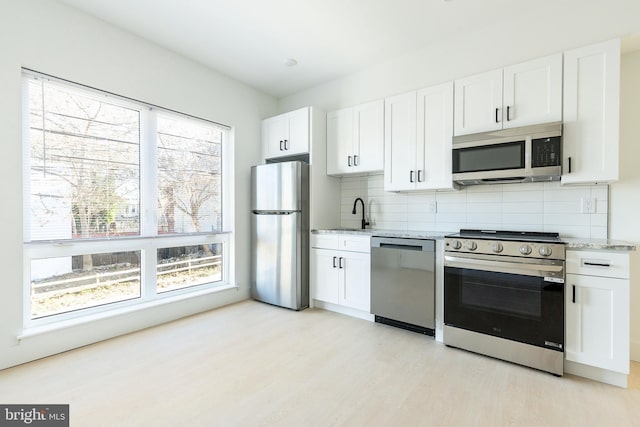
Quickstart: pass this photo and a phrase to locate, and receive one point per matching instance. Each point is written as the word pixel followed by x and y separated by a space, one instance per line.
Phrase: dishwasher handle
pixel 405 247
pixel 403 244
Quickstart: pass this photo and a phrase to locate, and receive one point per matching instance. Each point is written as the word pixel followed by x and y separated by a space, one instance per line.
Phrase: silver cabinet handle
pixel 355 160
pixel 349 161
pixel 334 261
pixel 419 179
pixel 410 176
pixel 281 149
pixel 340 263
pixel 497 121
pixel 508 111
pixel 285 144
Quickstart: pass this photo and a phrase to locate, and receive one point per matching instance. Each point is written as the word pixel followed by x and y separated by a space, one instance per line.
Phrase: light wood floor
pixel 251 364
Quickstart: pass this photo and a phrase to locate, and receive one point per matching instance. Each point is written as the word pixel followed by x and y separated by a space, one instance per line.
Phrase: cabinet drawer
pixel 601 264
pixel 343 242
pixel 325 241
pixel 355 243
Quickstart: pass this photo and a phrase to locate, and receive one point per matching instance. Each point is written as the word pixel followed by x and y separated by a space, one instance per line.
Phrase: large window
pixel 123 201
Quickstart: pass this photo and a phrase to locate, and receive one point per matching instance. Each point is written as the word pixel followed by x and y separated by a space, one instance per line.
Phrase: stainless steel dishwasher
pixel 403 283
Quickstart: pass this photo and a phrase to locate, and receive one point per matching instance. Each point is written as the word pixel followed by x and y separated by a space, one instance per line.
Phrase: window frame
pixel 148 241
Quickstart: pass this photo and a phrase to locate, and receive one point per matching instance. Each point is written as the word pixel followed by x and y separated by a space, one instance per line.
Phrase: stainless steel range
pixel 504 296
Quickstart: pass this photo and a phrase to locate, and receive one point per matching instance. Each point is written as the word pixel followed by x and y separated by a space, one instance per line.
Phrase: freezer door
pixel 276 187
pixel 277 274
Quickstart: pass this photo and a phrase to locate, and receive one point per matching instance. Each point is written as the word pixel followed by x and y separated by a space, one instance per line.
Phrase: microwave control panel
pixel 546 152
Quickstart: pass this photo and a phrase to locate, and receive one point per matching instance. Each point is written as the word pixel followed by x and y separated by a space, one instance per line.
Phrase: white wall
pixel 57 40
pixel 625 195
pixel 569 25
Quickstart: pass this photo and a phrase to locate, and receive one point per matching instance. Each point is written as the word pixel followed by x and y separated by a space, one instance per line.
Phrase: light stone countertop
pixel 571 242
pixel 409 234
pixel 597 244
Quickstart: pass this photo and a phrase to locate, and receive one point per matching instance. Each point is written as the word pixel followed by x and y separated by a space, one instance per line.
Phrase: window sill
pixel 64 324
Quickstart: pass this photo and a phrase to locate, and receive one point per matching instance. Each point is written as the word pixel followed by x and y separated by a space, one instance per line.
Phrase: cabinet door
pixel 368 137
pixel 355 291
pixel 400 142
pixel 478 103
pixel 597 323
pixel 434 137
pixel 274 131
pixel 591 113
pixel 532 92
pixel 297 140
pixel 340 141
pixel 325 278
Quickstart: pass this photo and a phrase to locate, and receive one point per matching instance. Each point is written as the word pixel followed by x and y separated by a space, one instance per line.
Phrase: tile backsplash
pixel 579 211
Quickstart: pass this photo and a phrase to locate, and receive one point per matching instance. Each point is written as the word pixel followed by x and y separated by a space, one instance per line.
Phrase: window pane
pixel 189 176
pixel 64 284
pixel 84 161
pixel 185 266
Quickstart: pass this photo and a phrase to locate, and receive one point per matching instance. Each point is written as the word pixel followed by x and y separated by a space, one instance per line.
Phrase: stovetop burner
pixel 524 236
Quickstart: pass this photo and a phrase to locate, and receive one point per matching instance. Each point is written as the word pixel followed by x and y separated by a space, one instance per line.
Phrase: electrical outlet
pixel 588 205
pixel 432 207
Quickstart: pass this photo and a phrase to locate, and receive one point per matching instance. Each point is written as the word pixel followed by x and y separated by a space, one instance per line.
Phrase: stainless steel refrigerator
pixel 279 234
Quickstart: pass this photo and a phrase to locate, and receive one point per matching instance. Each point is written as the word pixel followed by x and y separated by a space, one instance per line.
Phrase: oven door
pixel 508 297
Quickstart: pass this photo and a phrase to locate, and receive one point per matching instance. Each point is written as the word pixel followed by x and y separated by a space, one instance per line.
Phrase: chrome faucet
pixel 355 203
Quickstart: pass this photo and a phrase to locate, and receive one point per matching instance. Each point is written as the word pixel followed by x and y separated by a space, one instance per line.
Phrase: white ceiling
pixel 249 39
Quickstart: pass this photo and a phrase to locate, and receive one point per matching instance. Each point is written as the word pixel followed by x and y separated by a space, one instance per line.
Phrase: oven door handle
pixel 527 269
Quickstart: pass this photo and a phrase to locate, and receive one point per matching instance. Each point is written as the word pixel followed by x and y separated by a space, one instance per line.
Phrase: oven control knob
pixel 525 249
pixel 497 247
pixel 545 250
pixel 471 245
pixel 456 244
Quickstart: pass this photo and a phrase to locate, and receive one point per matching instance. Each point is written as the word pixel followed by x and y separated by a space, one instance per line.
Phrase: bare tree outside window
pixel 85 183
pixel 189 176
pixel 85 156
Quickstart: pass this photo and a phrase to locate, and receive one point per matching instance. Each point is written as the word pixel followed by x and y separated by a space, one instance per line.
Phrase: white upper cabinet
pixel 591 114
pixel 355 138
pixel 400 142
pixel 339 141
pixel 368 137
pixel 434 137
pixel 418 136
pixel 519 95
pixel 286 134
pixel 478 103
pixel 532 92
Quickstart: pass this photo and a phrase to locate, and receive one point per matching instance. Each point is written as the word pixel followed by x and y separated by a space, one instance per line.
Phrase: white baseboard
pixel 635 350
pixel 596 374
pixel 343 310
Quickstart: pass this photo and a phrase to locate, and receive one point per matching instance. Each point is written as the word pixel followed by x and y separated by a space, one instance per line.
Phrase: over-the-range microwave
pixel 524 154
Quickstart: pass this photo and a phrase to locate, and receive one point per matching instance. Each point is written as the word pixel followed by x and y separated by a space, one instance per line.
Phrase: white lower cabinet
pixel 597 315
pixel 341 276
